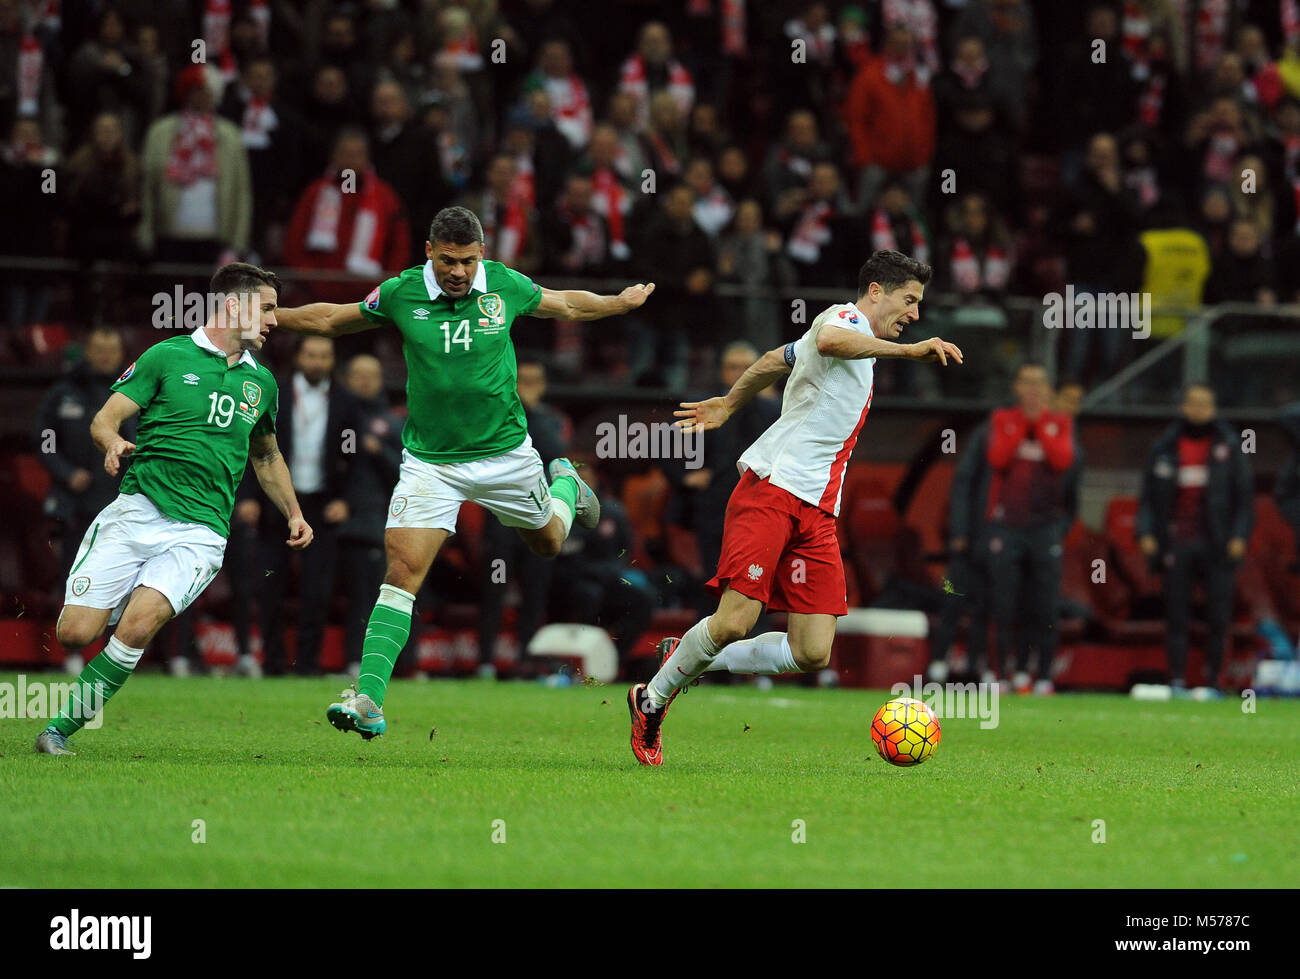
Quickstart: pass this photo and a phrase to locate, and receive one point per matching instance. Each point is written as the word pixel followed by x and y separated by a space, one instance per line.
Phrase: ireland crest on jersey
pixel 492 307
pixel 252 394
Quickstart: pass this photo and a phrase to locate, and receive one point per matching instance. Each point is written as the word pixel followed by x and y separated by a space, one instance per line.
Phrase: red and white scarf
pixel 1151 102
pixel 611 201
pixel 1211 32
pixel 882 236
pixel 31 65
pixel 634 79
pixel 1136 30
pixel 1219 155
pixel 259 120
pixel 967 274
pixel 811 233
pixel 525 187
pixel 194 150
pixel 570 108
pixel 733 22
pixel 505 228
pixel 667 158
pixel 365 250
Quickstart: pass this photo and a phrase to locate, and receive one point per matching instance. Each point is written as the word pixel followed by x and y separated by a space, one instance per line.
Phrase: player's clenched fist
pixel 117 451
pixel 936 349
pixel 702 415
pixel 300 533
pixel 635 296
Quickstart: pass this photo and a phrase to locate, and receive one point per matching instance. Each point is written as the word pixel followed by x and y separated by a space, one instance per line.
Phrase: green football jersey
pixel 460 363
pixel 196 418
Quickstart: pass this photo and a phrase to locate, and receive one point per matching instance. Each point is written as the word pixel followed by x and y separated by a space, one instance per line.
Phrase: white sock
pixel 691 658
pixel 122 654
pixel 395 598
pixel 560 509
pixel 768 654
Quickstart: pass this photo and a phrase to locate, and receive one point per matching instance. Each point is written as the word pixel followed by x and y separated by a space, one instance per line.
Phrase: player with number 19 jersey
pixel 461 372
pixel 196 418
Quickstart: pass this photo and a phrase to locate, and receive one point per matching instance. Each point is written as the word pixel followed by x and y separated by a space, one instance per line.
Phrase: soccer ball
pixel 905 731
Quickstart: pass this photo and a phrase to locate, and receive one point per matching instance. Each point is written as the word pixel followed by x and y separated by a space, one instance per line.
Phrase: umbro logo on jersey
pixel 190 378
pixel 421 313
pixel 755 572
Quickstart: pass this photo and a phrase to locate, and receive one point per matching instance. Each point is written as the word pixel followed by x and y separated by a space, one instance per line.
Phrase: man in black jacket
pixel 374 474
pixel 79 486
pixel 317 430
pixel 1195 517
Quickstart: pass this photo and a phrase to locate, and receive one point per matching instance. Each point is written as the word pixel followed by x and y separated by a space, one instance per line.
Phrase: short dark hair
pixel 240 277
pixel 891 269
pixel 456 226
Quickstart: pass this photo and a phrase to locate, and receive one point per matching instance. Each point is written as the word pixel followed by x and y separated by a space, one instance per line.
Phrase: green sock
pixel 565 489
pixel 99 680
pixel 386 634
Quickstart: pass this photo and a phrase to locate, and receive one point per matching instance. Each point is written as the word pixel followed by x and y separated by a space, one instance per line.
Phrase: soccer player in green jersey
pixel 205 406
pixel 465 437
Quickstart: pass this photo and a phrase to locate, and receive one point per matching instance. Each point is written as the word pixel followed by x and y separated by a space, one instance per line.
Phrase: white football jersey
pixel 806 451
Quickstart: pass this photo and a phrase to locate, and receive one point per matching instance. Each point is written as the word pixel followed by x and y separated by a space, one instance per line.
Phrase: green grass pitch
pixel 1192 794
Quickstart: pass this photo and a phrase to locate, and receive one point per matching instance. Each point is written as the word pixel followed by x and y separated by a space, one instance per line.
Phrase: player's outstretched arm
pixel 323 319
pixel 713 413
pixel 273 474
pixel 835 341
pixel 106 425
pixel 576 304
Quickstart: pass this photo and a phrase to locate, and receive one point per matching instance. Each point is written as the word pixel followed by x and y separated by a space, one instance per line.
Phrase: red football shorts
pixel 780 550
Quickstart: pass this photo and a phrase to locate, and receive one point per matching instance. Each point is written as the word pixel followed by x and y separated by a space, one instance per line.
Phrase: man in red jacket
pixel 892 95
pixel 1030 451
pixel 349 221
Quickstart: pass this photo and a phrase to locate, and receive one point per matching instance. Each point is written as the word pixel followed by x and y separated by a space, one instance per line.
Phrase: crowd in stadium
pixel 749 122
pixel 696 145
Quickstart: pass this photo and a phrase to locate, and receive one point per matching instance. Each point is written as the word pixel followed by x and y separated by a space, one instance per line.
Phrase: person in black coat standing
pixel 317 431
pixel 79 486
pixel 374 474
pixel 1194 518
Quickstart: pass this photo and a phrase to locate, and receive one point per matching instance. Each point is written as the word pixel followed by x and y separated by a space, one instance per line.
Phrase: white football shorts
pixel 511 485
pixel 131 543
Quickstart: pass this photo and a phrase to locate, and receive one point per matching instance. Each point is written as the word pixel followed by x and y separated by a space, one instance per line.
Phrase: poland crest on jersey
pixel 755 572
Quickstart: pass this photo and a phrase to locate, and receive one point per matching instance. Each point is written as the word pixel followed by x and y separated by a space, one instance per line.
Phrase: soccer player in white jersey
pixel 779 546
